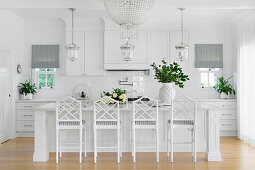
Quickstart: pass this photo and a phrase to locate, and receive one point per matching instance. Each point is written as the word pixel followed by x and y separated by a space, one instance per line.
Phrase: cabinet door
pixel 94 53
pixel 159 46
pixel 113 42
pixel 76 68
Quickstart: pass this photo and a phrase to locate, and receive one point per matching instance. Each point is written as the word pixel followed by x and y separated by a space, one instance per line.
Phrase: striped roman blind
pixel 208 55
pixel 45 56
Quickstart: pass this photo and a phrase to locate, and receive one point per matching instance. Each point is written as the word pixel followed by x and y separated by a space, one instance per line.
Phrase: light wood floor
pixel 236 155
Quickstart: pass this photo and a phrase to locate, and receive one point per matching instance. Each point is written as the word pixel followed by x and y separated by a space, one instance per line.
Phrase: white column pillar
pixel 41 153
pixel 212 135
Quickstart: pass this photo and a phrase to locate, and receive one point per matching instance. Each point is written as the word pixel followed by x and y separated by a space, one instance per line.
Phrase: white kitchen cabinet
pixel 91 54
pixel 94 53
pixel 76 68
pixel 112 52
pixel 159 46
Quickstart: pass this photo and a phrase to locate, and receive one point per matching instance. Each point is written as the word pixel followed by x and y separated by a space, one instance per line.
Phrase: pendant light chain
pixel 72 24
pixel 182 22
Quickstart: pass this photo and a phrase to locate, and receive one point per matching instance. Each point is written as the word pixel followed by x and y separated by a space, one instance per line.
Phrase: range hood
pixel 126 67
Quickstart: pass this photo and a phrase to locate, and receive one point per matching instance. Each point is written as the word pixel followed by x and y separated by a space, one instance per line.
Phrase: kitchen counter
pixel 45 135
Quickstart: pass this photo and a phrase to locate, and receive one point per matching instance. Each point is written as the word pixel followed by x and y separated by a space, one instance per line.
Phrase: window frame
pixel 217 72
pixel 38 72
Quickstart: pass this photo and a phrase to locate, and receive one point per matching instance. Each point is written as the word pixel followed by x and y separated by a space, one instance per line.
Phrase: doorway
pixel 5 95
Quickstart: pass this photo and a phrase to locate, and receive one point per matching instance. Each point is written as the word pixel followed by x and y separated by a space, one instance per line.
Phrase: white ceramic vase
pixel 167 93
pixel 27 97
pixel 224 96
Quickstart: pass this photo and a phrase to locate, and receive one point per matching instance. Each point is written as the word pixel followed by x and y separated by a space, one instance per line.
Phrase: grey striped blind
pixel 45 56
pixel 209 55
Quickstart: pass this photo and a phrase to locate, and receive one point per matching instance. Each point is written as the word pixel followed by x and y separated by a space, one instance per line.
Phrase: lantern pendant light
pixel 72 49
pixel 127 51
pixel 182 49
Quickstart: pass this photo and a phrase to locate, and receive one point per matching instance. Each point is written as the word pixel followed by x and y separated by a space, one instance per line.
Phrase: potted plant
pixel 27 89
pixel 168 75
pixel 224 88
pixel 116 94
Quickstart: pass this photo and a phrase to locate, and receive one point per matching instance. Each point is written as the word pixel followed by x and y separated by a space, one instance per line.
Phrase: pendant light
pixel 72 49
pixel 182 49
pixel 127 51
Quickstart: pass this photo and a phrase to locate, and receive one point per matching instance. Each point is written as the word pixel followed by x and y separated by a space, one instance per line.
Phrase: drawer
pixel 25 106
pixel 230 125
pixel 226 104
pixel 200 105
pixel 25 126
pixel 25 115
pixel 228 114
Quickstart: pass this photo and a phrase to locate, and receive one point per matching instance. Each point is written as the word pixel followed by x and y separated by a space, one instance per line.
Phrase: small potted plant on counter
pixel 116 94
pixel 168 75
pixel 224 88
pixel 27 89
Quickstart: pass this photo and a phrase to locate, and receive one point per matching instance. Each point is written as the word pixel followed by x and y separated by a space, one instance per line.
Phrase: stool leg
pixel 157 144
pixel 57 131
pixel 134 157
pixel 172 144
pixel 80 144
pixel 60 150
pixel 192 142
pixel 195 153
pixel 118 138
pixel 95 146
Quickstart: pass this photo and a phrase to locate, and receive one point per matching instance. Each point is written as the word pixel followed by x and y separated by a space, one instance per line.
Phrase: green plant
pixel 224 87
pixel 171 73
pixel 116 94
pixel 27 88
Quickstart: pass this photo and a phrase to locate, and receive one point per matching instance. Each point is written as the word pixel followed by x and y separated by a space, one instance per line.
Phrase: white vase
pixel 224 96
pixel 27 97
pixel 166 93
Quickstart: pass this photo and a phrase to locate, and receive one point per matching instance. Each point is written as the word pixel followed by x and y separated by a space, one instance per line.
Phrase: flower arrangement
pixel 170 73
pixel 27 88
pixel 116 94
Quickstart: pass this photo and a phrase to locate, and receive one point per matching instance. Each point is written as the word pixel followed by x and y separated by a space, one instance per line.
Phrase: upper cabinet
pixel 159 46
pixel 94 53
pixel 112 52
pixel 91 56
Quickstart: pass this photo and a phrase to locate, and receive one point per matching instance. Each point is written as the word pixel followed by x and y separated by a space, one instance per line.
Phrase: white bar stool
pixel 183 115
pixel 69 117
pixel 145 116
pixel 107 116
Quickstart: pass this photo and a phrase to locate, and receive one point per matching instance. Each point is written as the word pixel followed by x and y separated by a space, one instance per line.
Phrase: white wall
pixel 11 33
pixel 201 30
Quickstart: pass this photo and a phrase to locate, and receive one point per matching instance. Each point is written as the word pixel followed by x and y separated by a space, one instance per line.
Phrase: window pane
pixel 41 80
pixel 212 79
pixel 42 69
pixel 204 79
pixel 50 69
pixel 50 80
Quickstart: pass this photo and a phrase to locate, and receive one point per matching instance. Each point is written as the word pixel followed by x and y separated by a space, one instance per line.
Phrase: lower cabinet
pixel 25 118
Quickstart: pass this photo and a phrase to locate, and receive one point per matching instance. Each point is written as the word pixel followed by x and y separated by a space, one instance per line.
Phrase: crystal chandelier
pixel 182 49
pixel 129 14
pixel 72 49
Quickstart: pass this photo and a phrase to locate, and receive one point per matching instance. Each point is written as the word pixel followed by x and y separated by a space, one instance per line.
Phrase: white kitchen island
pixel 207 132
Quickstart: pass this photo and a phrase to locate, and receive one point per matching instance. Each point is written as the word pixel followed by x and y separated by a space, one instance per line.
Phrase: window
pixel 45 78
pixel 208 77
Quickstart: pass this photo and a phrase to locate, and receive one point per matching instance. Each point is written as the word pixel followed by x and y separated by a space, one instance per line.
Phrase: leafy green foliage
pixel 27 88
pixel 224 87
pixel 171 73
pixel 117 94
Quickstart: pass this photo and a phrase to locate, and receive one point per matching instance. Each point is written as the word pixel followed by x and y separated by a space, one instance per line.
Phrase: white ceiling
pixel 54 9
